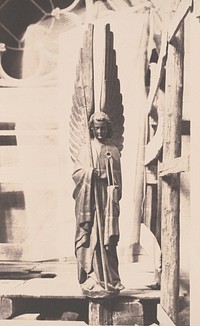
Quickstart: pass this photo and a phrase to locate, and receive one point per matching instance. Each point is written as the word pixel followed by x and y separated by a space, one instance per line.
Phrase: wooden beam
pixel 181 12
pixel 154 146
pixel 170 228
pixel 150 179
pixel 163 318
pixel 159 207
pixel 177 165
pixel 158 73
pixel 167 37
pixel 138 190
pixel 148 203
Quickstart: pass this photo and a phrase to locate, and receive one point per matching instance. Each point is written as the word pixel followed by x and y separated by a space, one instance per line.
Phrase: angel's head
pixel 100 126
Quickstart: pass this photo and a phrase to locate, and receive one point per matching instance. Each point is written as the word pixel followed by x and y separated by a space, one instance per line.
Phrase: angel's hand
pixel 95 172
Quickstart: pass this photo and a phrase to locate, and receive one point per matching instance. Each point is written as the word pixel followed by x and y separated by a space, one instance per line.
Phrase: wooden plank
pixel 159 207
pixel 177 165
pixel 151 174
pixel 58 287
pixel 158 73
pixel 167 36
pixel 171 187
pixel 154 146
pixel 182 10
pixel 57 291
pixel 163 318
pixel 148 206
pixel 138 190
pixel 27 317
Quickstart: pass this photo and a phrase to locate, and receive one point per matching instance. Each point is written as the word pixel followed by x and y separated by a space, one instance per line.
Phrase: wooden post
pixel 100 312
pixel 138 192
pixel 171 183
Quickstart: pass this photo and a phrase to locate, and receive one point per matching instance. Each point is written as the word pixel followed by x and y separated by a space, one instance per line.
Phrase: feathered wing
pixel 83 98
pixel 111 98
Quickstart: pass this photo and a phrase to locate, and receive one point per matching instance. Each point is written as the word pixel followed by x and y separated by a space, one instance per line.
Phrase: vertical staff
pixel 98 214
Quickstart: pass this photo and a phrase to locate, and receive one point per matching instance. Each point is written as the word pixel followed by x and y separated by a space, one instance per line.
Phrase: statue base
pixel 98 291
pixel 100 294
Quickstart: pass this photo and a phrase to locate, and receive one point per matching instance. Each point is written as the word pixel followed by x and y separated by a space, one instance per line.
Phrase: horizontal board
pixel 163 318
pixel 177 165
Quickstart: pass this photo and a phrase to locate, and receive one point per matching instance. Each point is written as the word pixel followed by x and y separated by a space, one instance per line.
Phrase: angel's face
pixel 100 130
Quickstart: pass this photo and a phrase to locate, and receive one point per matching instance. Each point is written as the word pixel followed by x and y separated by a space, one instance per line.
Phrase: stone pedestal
pixel 117 311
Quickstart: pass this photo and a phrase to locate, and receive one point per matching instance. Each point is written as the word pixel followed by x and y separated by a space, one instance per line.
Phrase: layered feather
pixel 83 98
pixel 111 98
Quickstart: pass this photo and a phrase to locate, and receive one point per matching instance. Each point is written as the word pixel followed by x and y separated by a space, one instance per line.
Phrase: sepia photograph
pixel 98 210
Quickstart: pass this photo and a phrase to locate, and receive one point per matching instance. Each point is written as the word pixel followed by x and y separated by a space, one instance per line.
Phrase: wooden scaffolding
pixel 168 168
pixel 168 164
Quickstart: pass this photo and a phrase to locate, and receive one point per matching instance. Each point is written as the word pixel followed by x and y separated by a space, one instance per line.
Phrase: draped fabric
pixel 87 228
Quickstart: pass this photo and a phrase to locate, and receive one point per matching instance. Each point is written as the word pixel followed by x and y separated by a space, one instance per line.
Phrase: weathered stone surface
pixel 100 312
pixel 6 308
pixel 118 311
pixel 127 312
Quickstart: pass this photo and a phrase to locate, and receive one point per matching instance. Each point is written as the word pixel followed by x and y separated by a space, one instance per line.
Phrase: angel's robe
pixel 106 159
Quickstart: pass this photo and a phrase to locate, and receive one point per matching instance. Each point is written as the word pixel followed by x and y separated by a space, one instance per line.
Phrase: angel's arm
pixel 82 165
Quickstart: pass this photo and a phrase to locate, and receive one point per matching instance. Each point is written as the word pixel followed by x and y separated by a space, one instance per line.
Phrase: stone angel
pixel 96 141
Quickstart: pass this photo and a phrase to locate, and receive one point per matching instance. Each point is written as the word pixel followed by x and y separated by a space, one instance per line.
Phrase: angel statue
pixel 98 184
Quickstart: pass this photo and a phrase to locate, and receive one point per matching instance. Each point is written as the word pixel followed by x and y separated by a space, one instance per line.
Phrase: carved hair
pixel 98 117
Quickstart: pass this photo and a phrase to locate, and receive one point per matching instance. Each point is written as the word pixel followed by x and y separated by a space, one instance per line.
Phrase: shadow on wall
pixel 12 205
pixel 12 202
